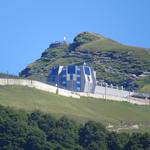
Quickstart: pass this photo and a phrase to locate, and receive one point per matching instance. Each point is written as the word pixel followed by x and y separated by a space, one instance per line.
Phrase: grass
pixel 108 44
pixel 144 84
pixel 145 88
pixel 81 110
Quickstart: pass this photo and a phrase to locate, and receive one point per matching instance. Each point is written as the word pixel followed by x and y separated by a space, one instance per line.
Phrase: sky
pixel 27 27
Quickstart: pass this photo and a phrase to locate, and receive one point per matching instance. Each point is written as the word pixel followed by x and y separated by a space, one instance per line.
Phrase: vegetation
pixel 145 89
pixel 39 131
pixel 143 84
pixel 114 63
pixel 119 114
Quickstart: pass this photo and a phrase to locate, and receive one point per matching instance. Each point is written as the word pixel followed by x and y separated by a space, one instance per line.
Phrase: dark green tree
pixel 117 141
pixel 134 142
pixel 93 136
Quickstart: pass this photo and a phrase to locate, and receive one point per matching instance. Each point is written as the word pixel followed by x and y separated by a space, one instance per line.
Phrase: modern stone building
pixel 72 77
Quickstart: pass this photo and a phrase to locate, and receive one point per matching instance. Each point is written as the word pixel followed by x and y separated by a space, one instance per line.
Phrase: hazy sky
pixel 27 27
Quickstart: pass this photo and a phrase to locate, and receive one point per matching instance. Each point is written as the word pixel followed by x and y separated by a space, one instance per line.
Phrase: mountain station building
pixel 73 77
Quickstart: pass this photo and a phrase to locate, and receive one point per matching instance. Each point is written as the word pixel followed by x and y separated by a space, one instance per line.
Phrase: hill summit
pixel 86 37
pixel 114 62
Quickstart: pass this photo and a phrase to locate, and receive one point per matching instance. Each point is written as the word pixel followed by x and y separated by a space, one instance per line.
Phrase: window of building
pixel 71 77
pixel 78 85
pixel 78 88
pixel 78 75
pixel 78 68
pixel 63 78
pixel 78 78
pixel 53 79
pixel 54 71
pixel 71 69
pixel 64 71
pixel 64 75
pixel 87 70
pixel 78 71
pixel 78 82
pixel 64 82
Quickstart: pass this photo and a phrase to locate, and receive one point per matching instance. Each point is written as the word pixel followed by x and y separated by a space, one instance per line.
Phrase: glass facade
pixel 71 77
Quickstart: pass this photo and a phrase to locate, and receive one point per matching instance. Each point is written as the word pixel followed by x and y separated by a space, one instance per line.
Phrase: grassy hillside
pixel 143 84
pixel 114 63
pixel 145 89
pixel 116 113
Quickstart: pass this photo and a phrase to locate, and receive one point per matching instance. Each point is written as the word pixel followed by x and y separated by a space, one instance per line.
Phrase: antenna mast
pixel 64 39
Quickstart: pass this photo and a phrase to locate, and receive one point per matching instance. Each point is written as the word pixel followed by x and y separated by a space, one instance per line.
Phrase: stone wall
pixel 38 85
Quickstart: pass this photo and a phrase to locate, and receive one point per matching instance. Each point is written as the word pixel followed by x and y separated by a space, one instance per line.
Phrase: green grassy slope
pixel 145 89
pixel 144 84
pixel 114 62
pixel 117 113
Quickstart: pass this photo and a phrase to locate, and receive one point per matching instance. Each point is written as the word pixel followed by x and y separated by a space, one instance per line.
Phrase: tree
pixel 93 136
pixel 145 140
pixel 117 141
pixel 65 133
pixel 134 142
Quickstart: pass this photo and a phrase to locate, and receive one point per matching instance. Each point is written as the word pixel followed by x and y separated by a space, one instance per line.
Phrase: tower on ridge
pixel 64 39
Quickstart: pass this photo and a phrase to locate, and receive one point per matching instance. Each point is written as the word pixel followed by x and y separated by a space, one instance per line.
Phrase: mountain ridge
pixel 115 63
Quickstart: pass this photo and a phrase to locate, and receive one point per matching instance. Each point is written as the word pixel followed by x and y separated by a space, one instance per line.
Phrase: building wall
pixel 89 79
pixel 73 77
pixel 111 91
